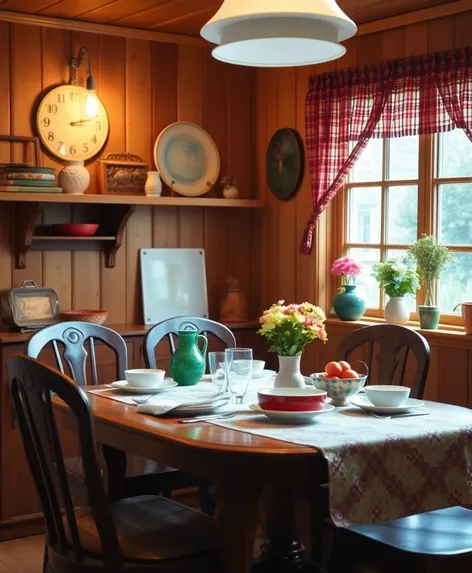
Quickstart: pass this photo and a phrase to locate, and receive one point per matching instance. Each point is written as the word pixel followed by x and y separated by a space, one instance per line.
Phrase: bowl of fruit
pixel 340 381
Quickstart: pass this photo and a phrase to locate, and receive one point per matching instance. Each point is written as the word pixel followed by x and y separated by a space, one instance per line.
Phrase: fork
pixel 207 418
pixel 399 415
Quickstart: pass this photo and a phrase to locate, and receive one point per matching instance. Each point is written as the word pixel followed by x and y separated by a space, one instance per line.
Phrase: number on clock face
pixel 64 127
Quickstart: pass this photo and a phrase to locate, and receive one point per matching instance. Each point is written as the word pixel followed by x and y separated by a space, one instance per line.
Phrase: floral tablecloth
pixel 382 469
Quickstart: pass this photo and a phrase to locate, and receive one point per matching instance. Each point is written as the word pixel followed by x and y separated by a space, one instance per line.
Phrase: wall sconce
pixel 92 106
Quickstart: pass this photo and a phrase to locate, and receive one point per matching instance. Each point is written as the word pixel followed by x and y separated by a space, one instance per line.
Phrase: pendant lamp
pixel 278 33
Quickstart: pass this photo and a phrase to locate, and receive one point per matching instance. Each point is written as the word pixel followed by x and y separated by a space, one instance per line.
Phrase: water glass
pixel 238 365
pixel 216 361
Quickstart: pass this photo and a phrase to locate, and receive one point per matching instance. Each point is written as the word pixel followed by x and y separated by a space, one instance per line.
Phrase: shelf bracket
pixel 25 217
pixel 116 224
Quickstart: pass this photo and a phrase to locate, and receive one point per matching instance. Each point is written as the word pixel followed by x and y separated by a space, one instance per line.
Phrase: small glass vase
pixel 289 375
pixel 348 305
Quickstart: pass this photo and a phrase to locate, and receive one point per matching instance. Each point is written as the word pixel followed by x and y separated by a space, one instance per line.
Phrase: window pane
pixel 402 214
pixel 364 216
pixel 369 165
pixel 368 286
pixel 455 213
pixel 456 283
pixel 399 254
pixel 454 154
pixel 403 158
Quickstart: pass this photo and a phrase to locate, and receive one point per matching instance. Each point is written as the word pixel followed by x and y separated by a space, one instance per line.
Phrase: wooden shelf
pixel 129 200
pixel 63 238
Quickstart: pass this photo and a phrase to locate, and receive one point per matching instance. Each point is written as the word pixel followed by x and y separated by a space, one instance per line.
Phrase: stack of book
pixel 21 177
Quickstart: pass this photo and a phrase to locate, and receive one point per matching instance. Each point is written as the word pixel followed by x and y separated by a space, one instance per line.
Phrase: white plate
pixel 364 403
pixel 292 417
pixel 125 387
pixel 265 374
pixel 187 159
pixel 199 410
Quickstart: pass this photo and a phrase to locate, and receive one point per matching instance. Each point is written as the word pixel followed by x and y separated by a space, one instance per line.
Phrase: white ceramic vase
pixel 289 375
pixel 74 178
pixel 397 311
pixel 153 185
pixel 230 192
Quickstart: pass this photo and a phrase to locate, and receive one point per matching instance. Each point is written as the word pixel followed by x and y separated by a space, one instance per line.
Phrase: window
pixel 401 188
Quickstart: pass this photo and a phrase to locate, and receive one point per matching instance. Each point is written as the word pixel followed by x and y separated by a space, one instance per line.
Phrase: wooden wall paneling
pixel 416 39
pixel 215 122
pixel 5 210
pixel 272 204
pixel 393 44
pixel 69 8
pixel 25 62
pixel 117 9
pixel 369 49
pixel 164 112
pixel 286 214
pixel 432 382
pixel 469 377
pixel 260 219
pixel 190 108
pixel 239 164
pixel 139 141
pixel 462 27
pixel 86 293
pixel 57 266
pixel 452 368
pixel 441 34
pixel 111 83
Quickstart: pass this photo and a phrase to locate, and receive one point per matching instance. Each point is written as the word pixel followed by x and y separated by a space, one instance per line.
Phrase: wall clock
pixel 64 127
pixel 285 163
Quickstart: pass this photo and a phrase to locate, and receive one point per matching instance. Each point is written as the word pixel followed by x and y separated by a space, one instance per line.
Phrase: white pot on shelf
pixel 74 178
pixel 289 375
pixel 397 311
pixel 153 185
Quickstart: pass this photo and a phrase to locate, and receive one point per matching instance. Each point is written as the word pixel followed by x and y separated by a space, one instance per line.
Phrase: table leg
pixel 283 552
pixel 237 516
pixel 115 472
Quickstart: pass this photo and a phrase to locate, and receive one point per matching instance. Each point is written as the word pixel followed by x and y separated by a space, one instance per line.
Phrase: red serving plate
pixel 76 229
pixel 291 399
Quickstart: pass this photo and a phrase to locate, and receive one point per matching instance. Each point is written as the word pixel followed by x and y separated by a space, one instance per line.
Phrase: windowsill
pixel 444 331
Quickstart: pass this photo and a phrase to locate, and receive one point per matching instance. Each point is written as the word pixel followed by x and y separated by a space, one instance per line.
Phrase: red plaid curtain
pixel 346 108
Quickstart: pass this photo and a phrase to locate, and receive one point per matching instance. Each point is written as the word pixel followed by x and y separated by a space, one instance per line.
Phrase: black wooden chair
pixel 168 329
pixel 142 534
pixel 393 347
pixel 142 475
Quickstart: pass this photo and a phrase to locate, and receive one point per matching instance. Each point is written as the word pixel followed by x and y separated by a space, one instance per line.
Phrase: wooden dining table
pixel 239 463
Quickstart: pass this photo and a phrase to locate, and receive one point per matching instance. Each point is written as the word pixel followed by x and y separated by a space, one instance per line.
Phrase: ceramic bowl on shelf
pixel 94 316
pixel 145 377
pixel 338 389
pixel 76 229
pixel 387 396
pixel 291 399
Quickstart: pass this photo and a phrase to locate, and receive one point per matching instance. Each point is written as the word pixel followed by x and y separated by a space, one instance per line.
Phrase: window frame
pixel 428 217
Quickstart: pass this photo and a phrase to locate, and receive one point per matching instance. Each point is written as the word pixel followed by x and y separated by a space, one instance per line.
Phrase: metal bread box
pixel 29 307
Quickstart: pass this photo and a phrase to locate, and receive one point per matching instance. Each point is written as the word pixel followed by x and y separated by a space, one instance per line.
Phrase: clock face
pixel 64 126
pixel 285 163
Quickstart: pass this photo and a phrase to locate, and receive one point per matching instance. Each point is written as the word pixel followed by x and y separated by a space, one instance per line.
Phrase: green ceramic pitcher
pixel 187 365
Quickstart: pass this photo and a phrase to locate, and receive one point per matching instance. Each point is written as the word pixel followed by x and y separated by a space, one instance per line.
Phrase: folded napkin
pixel 184 397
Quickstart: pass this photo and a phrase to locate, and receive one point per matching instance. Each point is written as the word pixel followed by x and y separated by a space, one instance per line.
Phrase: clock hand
pixel 80 122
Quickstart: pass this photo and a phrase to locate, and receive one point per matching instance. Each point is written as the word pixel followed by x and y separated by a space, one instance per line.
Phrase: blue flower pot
pixel 348 305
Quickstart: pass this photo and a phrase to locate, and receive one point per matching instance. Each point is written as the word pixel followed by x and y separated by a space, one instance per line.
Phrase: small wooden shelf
pixel 129 200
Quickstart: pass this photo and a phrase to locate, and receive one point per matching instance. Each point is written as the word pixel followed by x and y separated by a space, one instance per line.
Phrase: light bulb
pixel 92 105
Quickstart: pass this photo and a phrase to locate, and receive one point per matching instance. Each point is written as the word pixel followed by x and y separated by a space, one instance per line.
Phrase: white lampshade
pixel 278 33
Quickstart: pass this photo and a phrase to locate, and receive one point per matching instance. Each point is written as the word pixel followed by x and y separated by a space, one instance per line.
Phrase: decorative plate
pixel 285 163
pixel 284 417
pixel 187 159
pixel 364 403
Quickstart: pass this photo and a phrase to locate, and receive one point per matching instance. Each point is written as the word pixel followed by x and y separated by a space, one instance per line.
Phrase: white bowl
pixel 257 367
pixel 387 396
pixel 144 377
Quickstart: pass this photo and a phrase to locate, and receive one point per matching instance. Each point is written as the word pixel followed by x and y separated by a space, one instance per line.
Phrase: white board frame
pixel 192 261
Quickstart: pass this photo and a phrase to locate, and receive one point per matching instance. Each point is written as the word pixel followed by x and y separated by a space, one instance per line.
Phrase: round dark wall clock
pixel 285 163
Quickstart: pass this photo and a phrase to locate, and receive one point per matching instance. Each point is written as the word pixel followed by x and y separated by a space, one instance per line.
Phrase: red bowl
pixel 76 229
pixel 291 399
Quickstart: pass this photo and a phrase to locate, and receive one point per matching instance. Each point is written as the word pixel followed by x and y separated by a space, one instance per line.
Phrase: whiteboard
pixel 173 283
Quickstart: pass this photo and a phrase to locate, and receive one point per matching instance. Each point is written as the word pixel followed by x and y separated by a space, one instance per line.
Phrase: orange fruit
pixel 350 374
pixel 344 365
pixel 333 369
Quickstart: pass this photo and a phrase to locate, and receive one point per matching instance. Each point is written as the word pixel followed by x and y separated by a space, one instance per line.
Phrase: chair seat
pixel 152 528
pixel 443 532
pixel 135 466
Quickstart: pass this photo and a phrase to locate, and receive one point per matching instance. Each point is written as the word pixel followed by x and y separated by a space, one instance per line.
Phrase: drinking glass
pixel 238 365
pixel 216 361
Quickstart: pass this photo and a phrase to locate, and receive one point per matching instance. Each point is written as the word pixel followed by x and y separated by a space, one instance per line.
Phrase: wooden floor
pixel 22 555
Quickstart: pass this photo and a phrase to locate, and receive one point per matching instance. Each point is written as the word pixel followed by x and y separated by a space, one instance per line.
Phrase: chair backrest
pixel 32 385
pixel 396 345
pixel 75 336
pixel 169 328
